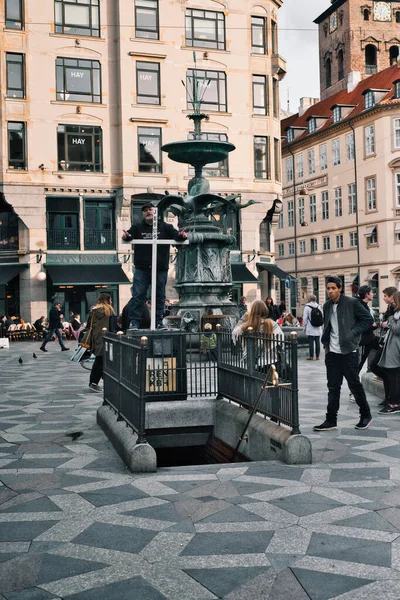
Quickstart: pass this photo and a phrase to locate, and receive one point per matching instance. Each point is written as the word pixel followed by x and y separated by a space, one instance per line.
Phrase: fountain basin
pixel 198 152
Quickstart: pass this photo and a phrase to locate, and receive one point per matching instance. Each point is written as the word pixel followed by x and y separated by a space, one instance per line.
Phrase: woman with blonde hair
pixel 101 316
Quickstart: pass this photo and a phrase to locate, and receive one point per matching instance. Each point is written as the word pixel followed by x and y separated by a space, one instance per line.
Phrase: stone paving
pixel 76 524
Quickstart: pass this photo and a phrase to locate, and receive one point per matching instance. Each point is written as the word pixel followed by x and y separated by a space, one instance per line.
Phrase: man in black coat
pixel 55 327
pixel 142 262
pixel 344 322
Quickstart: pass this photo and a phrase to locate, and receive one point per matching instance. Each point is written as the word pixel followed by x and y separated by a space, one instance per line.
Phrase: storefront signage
pixel 308 185
pixel 82 259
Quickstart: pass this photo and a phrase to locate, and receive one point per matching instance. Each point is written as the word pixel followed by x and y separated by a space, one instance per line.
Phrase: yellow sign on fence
pixel 161 375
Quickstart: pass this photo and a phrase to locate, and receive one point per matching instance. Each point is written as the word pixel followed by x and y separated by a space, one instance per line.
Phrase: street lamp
pixel 294 223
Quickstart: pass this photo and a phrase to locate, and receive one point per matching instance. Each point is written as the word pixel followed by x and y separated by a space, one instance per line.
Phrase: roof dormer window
pixel 337 114
pixel 396 89
pixel 369 99
pixel 290 135
pixel 312 125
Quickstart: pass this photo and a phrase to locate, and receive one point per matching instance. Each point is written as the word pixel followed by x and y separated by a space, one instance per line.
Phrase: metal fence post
pixel 295 384
pixel 119 334
pixel 220 341
pixel 142 357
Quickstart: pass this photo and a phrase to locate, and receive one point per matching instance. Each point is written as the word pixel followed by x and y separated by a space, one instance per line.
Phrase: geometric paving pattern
pixel 76 524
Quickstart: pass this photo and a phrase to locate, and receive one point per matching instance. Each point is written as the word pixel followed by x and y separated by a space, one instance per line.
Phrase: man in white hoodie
pixel 313 332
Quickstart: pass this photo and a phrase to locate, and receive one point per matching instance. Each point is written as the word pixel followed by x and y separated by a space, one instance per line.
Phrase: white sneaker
pixel 351 397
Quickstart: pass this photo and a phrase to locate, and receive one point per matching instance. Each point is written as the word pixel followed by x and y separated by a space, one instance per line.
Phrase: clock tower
pixel 356 35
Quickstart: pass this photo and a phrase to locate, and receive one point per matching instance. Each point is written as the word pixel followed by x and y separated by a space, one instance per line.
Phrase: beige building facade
pixel 90 93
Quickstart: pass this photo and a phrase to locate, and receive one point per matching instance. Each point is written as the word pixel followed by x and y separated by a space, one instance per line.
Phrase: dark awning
pixel 8 272
pixel 86 274
pixel 274 269
pixel 241 274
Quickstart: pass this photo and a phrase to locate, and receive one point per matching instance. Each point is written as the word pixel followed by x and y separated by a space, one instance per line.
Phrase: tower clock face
pixel 382 11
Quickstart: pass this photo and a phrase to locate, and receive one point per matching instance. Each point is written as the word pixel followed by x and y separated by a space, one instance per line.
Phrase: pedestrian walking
pixel 273 310
pixel 312 322
pixel 143 262
pixel 102 316
pixel 242 306
pixel 55 327
pixel 344 322
pixel 390 359
pixel 208 343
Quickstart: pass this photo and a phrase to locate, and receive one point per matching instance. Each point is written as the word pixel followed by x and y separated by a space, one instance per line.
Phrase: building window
pixel 397 184
pixel 99 232
pixel 351 194
pixel 328 73
pixel 313 208
pixel 326 240
pixel 339 241
pixel 274 37
pixel 79 148
pixel 218 169
pixel 312 125
pixel 275 98
pixel 396 131
pixel 281 250
pixel 280 220
pixel 301 211
pixel 289 169
pixel 146 19
pixel 205 29
pixel 290 135
pixel 290 213
pixel 336 114
pixel 148 83
pixel 370 59
pixel 397 87
pixel 372 236
pixel 350 146
pixel 336 152
pixel 78 80
pixel 325 205
pixel 302 246
pixel 323 157
pixel 300 165
pixel 370 188
pixel 258 35
pixel 338 202
pixel 14 16
pixel 340 59
pixel 369 100
pixel 366 14
pixel 313 245
pixel 393 55
pixel 149 140
pixel 397 16
pixel 353 239
pixel 16 145
pixel 63 223
pixel 261 158
pixel 311 161
pixel 77 18
pixel 260 104
pixel 277 159
pixel 291 248
pixel 214 82
pixel 15 75
pixel 369 137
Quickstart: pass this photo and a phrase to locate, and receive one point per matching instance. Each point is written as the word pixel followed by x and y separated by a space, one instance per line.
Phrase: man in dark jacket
pixel 344 322
pixel 142 262
pixel 55 327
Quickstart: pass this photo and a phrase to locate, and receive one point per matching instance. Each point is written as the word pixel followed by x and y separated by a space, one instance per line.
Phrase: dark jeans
pixel 393 376
pixel 97 370
pixel 337 367
pixel 141 283
pixel 314 339
pixel 49 336
pixel 380 372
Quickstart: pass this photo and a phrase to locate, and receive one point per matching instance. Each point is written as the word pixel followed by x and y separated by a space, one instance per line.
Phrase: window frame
pixel 339 241
pixel 338 202
pixel 20 24
pixel 12 92
pixel 196 42
pixel 336 152
pixel 396 91
pixel 289 169
pixel 311 161
pixel 326 241
pixel 95 73
pixel 369 140
pixel 325 205
pixel 300 163
pixel 254 26
pixel 262 109
pixel 221 89
pixel 337 114
pixel 60 25
pixel 152 33
pixel 259 174
pixel 323 157
pixel 353 239
pixel 96 148
pixel 313 208
pixel 396 133
pixel 290 213
pixel 313 245
pixel 281 250
pixel 350 150
pixel 369 99
pixel 277 160
pixel 372 239
pixel 17 164
pixel 301 210
pixel 291 249
pixel 141 132
pixel 157 72
pixel 302 247
pixel 370 194
pixel 352 198
pixel 312 125
pixel 397 188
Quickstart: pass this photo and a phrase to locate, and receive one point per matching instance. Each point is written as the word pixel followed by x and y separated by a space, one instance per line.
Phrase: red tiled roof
pixel 380 81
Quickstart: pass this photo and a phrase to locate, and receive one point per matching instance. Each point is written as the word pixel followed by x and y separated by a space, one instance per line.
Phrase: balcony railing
pixel 63 239
pixel 371 69
pixel 8 238
pixel 99 239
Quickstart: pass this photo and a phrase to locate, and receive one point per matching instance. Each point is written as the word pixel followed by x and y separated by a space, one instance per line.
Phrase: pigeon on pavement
pixel 20 361
pixel 34 355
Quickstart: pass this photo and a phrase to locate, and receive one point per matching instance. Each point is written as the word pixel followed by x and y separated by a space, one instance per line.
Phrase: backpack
pixel 316 317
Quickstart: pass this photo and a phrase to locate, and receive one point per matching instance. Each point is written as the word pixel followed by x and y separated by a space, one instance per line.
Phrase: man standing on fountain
pixel 143 261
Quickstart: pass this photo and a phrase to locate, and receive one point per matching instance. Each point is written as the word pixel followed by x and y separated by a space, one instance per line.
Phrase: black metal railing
pixel 99 239
pixel 63 239
pixel 174 365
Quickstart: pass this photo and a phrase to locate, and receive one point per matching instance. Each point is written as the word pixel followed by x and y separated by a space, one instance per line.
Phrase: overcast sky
pixel 298 45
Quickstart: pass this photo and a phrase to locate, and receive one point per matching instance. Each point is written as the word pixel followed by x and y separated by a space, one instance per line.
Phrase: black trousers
pixel 394 384
pixel 337 367
pixel 381 372
pixel 97 370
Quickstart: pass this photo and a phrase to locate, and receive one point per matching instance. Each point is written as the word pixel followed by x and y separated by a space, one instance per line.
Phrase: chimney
pixel 305 104
pixel 353 79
